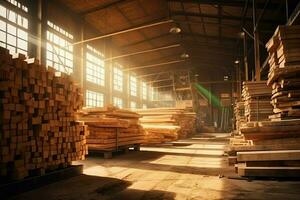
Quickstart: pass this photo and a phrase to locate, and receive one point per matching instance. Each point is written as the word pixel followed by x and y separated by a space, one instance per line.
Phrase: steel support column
pixel 256 43
pixel 246 57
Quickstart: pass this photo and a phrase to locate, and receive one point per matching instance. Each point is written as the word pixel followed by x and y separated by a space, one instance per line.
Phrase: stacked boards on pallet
pixel 239 113
pixel 284 73
pixel 266 136
pixel 175 123
pixel 111 128
pixel 283 163
pixel 156 134
pixel 256 97
pixel 37 111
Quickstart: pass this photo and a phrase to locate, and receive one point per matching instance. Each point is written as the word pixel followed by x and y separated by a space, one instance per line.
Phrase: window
pixel 133 86
pixel 95 71
pixel 144 90
pixel 18 4
pixel 150 93
pixel 13 30
pixel 94 99
pixel 144 106
pixel 118 102
pixel 118 79
pixel 59 49
pixel 133 105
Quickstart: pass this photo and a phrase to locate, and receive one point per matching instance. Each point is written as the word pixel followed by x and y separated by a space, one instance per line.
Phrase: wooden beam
pixel 232 3
pixel 268 155
pixel 147 40
pixel 101 7
pixel 226 17
pixel 295 14
pixel 210 36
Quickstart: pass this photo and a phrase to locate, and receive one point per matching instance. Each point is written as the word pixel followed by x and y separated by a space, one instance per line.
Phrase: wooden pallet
pixel 108 153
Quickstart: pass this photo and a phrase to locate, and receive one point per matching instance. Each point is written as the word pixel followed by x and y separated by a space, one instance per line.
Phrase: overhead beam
pixel 210 36
pixel 135 28
pixel 143 41
pixel 226 17
pixel 153 65
pixel 101 7
pixel 233 3
pixel 145 51
pixel 295 14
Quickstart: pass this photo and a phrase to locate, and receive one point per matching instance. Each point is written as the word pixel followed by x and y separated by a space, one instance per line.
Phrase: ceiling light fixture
pixel 184 55
pixel 175 30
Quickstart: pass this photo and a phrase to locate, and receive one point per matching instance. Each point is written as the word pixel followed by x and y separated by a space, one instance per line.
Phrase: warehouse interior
pixel 143 100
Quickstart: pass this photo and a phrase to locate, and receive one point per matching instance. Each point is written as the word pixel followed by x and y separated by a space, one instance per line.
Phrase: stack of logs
pixel 256 97
pixel 275 144
pixel 111 128
pixel 167 124
pixel 284 52
pixel 37 111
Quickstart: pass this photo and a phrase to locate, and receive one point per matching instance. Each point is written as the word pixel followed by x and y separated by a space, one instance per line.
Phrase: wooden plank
pixel 278 172
pixel 268 155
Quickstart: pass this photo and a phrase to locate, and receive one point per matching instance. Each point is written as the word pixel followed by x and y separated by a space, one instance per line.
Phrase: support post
pixel 256 43
pixel 246 57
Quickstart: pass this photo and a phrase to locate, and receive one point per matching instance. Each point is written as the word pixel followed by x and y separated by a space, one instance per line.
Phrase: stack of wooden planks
pixel 256 97
pixel 279 163
pixel 111 128
pixel 264 136
pixel 167 124
pixel 239 113
pixel 156 134
pixel 284 73
pixel 271 148
pixel 37 112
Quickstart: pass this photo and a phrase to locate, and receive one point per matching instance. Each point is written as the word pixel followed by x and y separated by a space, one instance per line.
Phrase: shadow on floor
pixel 85 187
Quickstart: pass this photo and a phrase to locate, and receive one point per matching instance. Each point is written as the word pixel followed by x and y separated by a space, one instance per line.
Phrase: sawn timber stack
pixel 38 127
pixel 284 73
pixel 111 128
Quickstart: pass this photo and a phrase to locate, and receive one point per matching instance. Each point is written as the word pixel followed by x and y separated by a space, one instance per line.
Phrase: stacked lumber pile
pixel 271 148
pixel 37 111
pixel 165 124
pixel 284 73
pixel 283 163
pixel 239 113
pixel 265 136
pixel 156 134
pixel 256 97
pixel 111 127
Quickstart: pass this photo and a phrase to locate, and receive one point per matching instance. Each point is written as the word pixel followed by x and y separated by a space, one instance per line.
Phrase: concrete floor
pixel 191 169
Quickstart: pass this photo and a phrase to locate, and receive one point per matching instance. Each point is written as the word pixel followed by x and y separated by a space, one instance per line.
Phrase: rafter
pixel 227 17
pixel 233 3
pixel 101 7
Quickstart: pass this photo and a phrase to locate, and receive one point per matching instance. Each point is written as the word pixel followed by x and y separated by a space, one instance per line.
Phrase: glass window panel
pixel 22 44
pixel 11 40
pixel 22 34
pixel 11 16
pixel 2 36
pixel 2 25
pixel 11 29
pixel 2 11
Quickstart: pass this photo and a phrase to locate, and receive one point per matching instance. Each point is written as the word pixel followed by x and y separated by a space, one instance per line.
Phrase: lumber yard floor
pixel 190 169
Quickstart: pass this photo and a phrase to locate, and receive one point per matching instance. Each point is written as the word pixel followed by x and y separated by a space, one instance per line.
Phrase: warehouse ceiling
pixel 210 29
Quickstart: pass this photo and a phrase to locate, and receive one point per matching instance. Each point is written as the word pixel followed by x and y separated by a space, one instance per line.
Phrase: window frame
pixel 94 99
pixel 94 66
pixel 18 20
pixel 118 78
pixel 59 50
